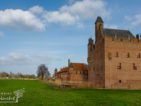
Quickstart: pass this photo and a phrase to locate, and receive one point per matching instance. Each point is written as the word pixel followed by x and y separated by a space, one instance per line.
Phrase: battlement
pixel 116 39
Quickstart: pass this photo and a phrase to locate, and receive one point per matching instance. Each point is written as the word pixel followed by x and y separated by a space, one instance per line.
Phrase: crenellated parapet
pixel 118 39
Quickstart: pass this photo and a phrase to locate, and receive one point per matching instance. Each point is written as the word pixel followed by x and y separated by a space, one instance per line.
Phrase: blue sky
pixel 34 32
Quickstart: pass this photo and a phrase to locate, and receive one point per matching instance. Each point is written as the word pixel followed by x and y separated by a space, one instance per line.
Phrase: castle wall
pixel 122 63
pixel 77 75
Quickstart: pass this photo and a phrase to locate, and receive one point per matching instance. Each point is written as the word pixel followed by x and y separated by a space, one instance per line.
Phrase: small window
pixel 119 81
pixel 134 66
pixel 83 72
pixel 128 55
pixel 139 55
pixel 117 55
pixel 119 66
pixel 109 56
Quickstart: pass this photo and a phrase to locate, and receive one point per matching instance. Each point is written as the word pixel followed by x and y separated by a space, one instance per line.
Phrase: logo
pixel 11 97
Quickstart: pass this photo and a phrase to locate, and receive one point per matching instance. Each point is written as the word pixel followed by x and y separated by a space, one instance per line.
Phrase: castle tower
pixel 99 24
pixel 90 50
pixel 96 56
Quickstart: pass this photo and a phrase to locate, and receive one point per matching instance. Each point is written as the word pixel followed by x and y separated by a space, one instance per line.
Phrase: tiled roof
pixel 65 69
pixel 75 66
pixel 118 33
pixel 79 66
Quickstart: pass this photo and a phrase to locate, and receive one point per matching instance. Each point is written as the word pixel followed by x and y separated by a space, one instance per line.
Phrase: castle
pixel 114 61
pixel 114 58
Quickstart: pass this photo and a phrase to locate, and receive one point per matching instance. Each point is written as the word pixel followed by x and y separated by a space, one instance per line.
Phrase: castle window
pixel 117 55
pixel 119 66
pixel 121 40
pixel 119 81
pixel 134 66
pixel 139 55
pixel 109 56
pixel 128 55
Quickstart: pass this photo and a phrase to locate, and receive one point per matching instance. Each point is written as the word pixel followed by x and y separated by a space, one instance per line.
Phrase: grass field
pixel 40 94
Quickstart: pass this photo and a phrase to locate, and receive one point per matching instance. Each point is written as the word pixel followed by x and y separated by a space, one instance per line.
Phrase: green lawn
pixel 40 94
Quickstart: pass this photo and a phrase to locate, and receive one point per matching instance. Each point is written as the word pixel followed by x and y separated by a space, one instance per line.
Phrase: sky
pixel 34 32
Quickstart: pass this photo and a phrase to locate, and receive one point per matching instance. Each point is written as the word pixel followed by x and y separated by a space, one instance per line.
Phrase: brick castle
pixel 114 60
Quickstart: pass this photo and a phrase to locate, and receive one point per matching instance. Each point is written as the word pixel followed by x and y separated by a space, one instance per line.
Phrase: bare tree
pixel 43 72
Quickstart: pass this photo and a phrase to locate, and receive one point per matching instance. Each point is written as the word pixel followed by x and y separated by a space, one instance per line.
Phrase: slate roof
pixel 118 33
pixel 99 19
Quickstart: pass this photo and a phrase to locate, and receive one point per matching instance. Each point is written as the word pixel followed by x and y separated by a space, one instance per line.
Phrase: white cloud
pixel 18 18
pixel 36 9
pixel 15 59
pixel 36 17
pixel 87 9
pixel 61 18
pixel 77 12
pixel 134 20
pixel 18 56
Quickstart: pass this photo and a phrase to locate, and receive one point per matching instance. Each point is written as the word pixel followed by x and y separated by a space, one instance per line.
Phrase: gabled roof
pixel 118 33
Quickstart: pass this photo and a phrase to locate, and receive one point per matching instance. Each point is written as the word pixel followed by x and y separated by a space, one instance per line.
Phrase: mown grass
pixel 38 93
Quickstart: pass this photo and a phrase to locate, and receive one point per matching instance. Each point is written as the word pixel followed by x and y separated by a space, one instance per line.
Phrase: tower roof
pixel 99 19
pixel 90 40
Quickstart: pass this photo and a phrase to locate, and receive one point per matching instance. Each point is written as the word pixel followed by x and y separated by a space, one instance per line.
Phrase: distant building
pixel 114 58
pixel 75 73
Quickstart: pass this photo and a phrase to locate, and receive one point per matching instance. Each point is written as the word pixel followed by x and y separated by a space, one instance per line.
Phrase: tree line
pixel 16 75
pixel 42 73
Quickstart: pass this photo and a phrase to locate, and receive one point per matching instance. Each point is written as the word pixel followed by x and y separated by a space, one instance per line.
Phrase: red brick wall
pixel 128 52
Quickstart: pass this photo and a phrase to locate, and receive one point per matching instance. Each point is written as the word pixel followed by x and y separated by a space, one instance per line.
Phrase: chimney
pixel 68 62
pixel 137 36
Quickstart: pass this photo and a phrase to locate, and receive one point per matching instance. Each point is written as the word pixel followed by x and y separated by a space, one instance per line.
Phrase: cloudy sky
pixel 34 32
